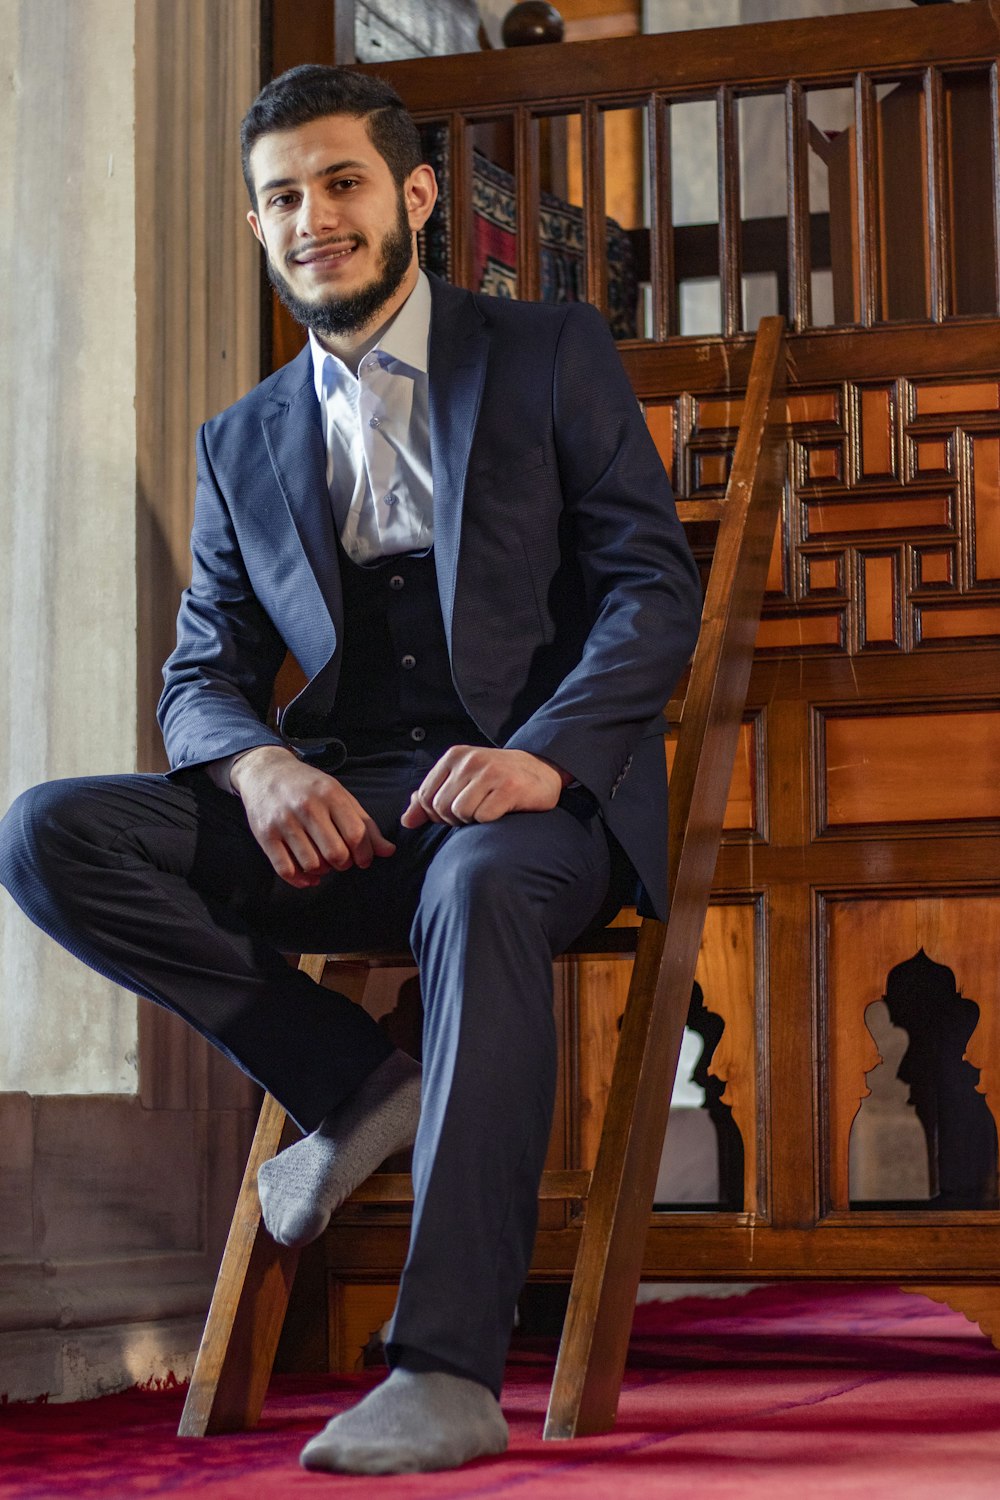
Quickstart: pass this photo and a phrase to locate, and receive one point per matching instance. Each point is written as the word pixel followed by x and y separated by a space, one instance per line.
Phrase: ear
pixel 420 195
pixel 254 223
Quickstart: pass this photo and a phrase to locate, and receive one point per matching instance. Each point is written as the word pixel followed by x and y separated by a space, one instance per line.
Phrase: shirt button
pixel 408 662
pixel 396 581
pixel 374 421
pixel 418 734
pixel 391 498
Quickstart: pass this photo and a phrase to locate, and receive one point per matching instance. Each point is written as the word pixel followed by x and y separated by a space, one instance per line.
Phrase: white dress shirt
pixel 378 447
pixel 377 431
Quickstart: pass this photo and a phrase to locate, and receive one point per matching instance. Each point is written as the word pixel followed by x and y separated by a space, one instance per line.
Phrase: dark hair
pixel 313 90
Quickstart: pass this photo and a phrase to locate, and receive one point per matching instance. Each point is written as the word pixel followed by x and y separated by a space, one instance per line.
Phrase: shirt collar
pixel 405 341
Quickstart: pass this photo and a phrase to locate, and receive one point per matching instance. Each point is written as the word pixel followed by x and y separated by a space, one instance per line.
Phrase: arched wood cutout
pixel 980 1304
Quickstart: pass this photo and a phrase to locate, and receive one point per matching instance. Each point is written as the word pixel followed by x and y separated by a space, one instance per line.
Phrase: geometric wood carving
pixel 896 483
pixel 726 974
pixel 866 939
pixel 922 1003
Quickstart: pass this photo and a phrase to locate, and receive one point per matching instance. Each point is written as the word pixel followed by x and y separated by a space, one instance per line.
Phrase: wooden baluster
pixel 460 206
pixel 797 170
pixel 937 214
pixel 661 239
pixel 595 234
pixel 866 187
pixel 529 280
pixel 995 174
pixel 730 258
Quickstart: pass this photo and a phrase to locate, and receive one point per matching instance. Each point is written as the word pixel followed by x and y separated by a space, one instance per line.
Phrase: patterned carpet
pixel 786 1393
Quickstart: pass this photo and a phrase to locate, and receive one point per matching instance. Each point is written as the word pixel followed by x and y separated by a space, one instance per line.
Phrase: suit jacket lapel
pixel 293 433
pixel 456 371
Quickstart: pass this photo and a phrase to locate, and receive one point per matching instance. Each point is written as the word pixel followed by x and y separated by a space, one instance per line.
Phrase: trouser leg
pixel 159 885
pixel 498 902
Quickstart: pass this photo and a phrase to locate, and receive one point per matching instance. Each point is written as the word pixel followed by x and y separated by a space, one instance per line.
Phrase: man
pixel 449 510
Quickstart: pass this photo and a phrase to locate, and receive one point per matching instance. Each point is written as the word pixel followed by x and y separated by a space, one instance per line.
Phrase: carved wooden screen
pixel 858 890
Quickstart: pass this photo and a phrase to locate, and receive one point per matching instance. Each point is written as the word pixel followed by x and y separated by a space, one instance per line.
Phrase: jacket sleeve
pixel 642 590
pixel 219 678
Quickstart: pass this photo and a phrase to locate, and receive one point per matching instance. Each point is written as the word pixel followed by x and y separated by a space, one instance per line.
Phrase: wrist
pixel 258 758
pixel 566 777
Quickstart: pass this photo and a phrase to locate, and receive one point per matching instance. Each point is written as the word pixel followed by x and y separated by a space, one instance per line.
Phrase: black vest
pixel 395 689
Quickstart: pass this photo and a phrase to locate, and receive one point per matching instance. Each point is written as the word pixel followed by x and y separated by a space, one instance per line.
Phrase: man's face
pixel 337 229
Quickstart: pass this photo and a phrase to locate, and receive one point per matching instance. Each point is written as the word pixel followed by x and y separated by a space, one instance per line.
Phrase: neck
pixel 352 347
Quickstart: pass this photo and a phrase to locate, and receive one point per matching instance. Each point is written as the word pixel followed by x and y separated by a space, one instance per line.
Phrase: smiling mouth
pixel 327 255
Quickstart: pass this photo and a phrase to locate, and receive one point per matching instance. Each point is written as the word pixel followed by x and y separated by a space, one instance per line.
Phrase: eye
pixel 346 182
pixel 281 200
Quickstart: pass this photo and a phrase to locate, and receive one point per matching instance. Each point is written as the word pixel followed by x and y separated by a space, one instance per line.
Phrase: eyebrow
pixel 330 171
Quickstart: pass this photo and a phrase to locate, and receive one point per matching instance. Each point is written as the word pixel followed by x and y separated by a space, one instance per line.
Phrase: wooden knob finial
pixel 531 22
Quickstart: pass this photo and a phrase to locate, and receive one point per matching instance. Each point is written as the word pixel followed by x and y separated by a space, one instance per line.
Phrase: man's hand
pixel 304 820
pixel 477 784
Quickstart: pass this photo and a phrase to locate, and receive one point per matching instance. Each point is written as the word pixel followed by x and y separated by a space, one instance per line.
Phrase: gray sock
pixel 412 1422
pixel 303 1185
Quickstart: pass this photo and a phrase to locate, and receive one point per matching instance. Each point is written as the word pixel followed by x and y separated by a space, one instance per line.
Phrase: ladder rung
pixel 700 510
pixel 397 1187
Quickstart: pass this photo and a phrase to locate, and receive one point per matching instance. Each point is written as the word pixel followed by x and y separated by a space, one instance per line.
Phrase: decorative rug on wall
pixel 561 237
pixel 788 1393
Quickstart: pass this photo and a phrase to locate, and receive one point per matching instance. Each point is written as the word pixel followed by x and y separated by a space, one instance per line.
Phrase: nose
pixel 317 215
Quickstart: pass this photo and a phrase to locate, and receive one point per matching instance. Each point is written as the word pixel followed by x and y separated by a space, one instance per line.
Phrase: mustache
pixel 293 256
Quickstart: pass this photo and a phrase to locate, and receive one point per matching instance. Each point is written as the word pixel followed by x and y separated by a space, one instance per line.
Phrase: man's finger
pixel 415 815
pixel 285 867
pixel 314 854
pixel 381 846
pixel 346 835
pixel 468 804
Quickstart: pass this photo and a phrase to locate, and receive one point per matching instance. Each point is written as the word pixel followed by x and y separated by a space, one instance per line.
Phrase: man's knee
pixel 45 831
pixel 540 877
pixel 469 873
pixel 29 831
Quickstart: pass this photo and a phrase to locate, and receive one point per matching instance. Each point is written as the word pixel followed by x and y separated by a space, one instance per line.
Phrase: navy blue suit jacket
pixel 569 596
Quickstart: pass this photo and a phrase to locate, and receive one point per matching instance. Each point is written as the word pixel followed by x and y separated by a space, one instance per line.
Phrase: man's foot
pixel 302 1186
pixel 412 1422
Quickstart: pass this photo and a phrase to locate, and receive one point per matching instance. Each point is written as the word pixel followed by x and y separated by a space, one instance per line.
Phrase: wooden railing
pixel 910 229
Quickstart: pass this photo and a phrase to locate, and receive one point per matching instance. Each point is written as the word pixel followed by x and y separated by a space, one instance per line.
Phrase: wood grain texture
pixel 887 768
pixel 868 937
pixel 979 1303
pixel 625 68
pixel 592 1352
pixel 236 1356
pixel 726 972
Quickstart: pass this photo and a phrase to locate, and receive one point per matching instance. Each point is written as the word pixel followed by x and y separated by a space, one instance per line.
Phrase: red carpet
pixel 787 1393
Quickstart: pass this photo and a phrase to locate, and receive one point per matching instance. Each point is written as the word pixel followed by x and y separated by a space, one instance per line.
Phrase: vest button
pixel 418 734
pixel 408 662
pixel 396 581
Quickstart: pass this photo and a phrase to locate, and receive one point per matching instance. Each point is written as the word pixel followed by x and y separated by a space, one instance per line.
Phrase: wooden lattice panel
pixel 890 539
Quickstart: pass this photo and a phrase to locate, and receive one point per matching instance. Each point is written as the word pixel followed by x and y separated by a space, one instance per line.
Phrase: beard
pixel 349 312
